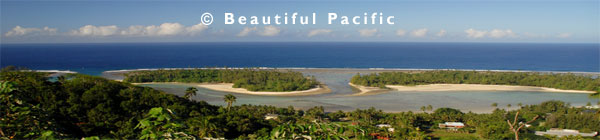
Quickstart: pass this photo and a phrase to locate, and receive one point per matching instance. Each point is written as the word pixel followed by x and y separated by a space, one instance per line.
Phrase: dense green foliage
pixel 318 131
pixel 161 123
pixel 20 119
pixel 80 106
pixel 559 81
pixel 251 79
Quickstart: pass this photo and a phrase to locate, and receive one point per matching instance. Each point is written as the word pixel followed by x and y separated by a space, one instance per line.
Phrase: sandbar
pixel 479 87
pixel 365 90
pixel 228 87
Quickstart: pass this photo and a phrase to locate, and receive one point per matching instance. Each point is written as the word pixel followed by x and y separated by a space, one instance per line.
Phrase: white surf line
pixel 53 71
pixel 376 69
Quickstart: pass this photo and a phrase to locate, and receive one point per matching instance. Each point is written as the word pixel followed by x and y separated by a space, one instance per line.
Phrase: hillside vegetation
pixel 34 106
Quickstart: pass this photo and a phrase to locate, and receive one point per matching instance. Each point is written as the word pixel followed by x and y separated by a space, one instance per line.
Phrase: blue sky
pixel 570 21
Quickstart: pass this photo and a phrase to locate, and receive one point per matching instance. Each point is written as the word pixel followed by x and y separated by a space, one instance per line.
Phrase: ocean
pixel 96 58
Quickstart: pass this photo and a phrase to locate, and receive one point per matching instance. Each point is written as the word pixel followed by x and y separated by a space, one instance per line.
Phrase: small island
pixel 246 81
pixel 449 80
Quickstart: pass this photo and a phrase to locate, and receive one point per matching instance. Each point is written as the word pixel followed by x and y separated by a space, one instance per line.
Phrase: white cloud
pixel 91 30
pixel 564 35
pixel 246 31
pixel 419 32
pixel 165 29
pixel 270 31
pixel 472 33
pixel 20 31
pixel 196 29
pixel 367 32
pixel 50 31
pixel 134 30
pixel 266 31
pixel 441 33
pixel 400 32
pixel 497 33
pixel 318 32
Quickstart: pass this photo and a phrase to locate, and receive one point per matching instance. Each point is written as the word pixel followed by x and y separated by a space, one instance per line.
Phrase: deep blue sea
pixel 95 58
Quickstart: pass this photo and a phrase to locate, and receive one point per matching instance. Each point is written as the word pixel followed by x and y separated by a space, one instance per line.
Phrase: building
pixel 564 132
pixel 452 125
pixel 389 127
pixel 345 119
pixel 593 107
pixel 271 116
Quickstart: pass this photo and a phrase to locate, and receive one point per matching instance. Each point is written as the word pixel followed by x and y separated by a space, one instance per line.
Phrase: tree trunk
pixel 228 106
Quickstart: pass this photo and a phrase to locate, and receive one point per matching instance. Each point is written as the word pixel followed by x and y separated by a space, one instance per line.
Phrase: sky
pixel 99 21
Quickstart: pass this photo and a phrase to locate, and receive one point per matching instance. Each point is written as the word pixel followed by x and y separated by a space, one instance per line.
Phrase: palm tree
pixel 423 108
pixel 429 107
pixel 416 135
pixel 520 104
pixel 230 99
pixel 494 104
pixel 508 106
pixel 189 92
pixel 203 127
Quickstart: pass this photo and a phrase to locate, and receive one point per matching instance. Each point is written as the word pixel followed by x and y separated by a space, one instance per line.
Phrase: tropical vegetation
pixel 190 92
pixel 75 106
pixel 567 81
pixel 250 79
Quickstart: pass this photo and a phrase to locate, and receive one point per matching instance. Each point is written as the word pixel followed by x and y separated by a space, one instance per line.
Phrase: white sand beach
pixel 364 90
pixel 479 87
pixel 228 87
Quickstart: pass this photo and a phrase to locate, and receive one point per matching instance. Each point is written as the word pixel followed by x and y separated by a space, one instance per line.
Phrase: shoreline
pixel 228 87
pixel 354 69
pixel 54 71
pixel 480 87
pixel 364 90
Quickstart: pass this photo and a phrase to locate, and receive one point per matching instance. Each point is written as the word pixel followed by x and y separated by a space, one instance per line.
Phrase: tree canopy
pixel 566 81
pixel 250 79
pixel 80 106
